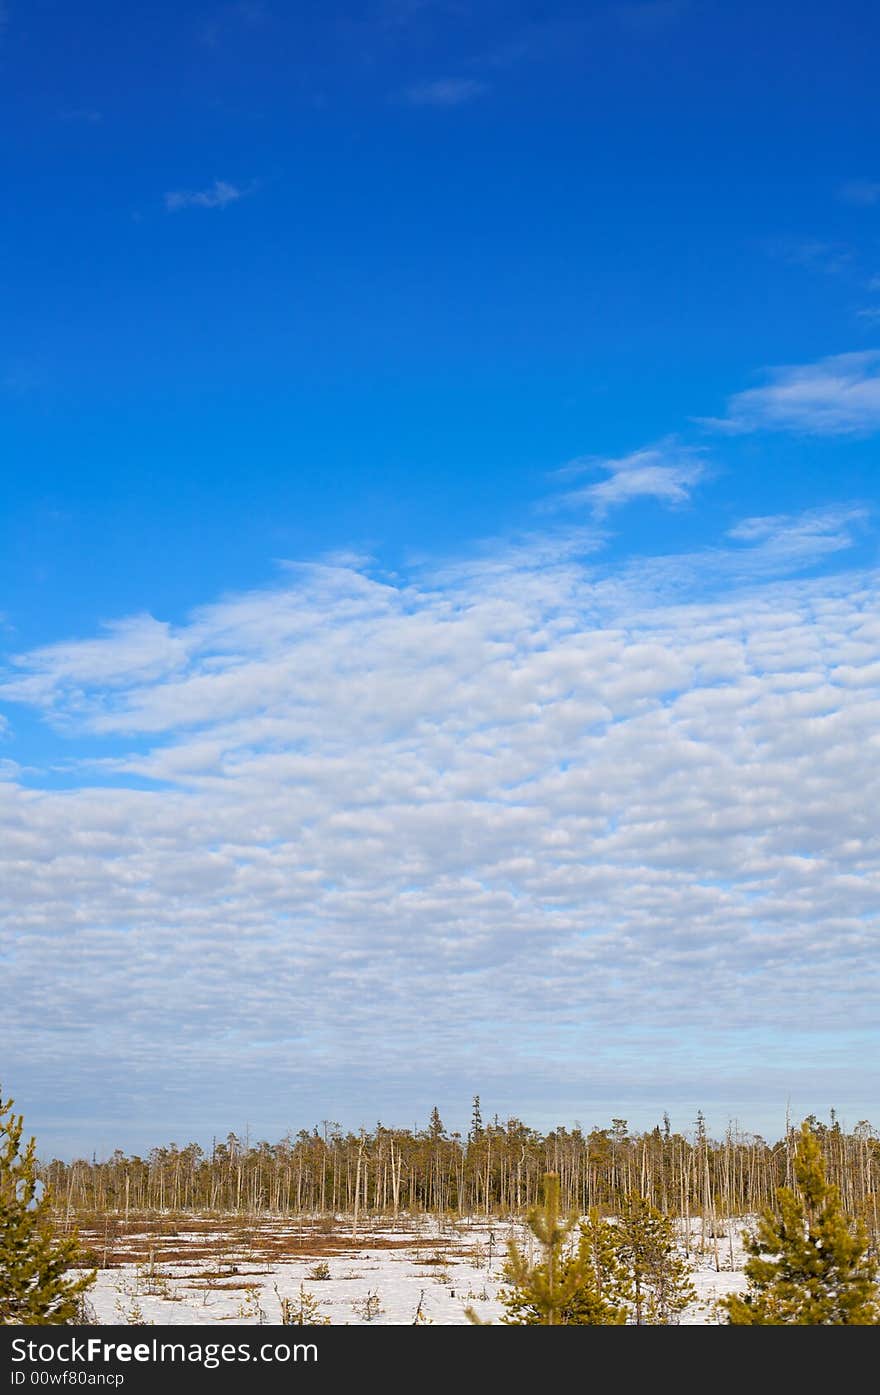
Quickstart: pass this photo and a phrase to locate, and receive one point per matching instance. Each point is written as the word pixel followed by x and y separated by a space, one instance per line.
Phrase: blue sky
pixel 438 563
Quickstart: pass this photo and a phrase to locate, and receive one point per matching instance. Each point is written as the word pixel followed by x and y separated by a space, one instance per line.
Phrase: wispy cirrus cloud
pixel 861 192
pixel 226 19
pixel 754 551
pixel 778 543
pixel 835 396
pixel 645 18
pixel 138 648
pixel 400 14
pixel 666 472
pixel 218 195
pixel 22 376
pixel 445 92
pixel 811 253
pixel 87 116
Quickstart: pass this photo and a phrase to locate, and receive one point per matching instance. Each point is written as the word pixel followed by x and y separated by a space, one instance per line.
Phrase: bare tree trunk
pixel 357 1190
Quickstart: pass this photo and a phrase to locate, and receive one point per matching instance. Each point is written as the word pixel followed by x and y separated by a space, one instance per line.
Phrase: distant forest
pixel 496 1170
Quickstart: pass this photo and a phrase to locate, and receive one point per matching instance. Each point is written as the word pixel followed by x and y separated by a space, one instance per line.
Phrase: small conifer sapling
pixel 35 1286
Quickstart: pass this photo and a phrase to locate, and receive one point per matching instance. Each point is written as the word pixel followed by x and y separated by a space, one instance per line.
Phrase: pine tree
pixel 476 1122
pixel 603 1294
pixel 808 1266
pixel 302 1311
pixel 34 1288
pixel 540 1293
pixel 659 1276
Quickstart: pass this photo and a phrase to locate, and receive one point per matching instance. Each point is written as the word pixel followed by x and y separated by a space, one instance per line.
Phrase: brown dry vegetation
pixel 233 1250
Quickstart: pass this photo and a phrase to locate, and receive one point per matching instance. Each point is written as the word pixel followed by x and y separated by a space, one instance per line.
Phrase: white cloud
pixel 445 92
pixel 138 648
pixel 479 827
pixel 815 531
pixel 219 195
pixel 777 546
pixel 834 397
pixel 667 472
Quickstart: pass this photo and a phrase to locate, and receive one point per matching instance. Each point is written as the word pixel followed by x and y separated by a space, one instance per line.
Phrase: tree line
pixel 809 1263
pixel 497 1169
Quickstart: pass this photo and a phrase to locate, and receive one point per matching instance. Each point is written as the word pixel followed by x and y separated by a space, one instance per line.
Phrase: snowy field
pixel 200 1270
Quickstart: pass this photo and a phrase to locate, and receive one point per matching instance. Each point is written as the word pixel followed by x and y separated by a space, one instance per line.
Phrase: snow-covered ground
pixel 423 1269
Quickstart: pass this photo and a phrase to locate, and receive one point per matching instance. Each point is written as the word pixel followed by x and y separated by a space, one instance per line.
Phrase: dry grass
pixel 195 1286
pixel 230 1244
